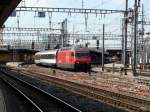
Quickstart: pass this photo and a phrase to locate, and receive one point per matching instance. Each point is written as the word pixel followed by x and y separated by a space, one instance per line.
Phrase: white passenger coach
pixel 47 58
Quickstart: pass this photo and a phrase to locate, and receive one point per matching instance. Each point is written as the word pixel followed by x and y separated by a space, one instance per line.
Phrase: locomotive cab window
pixel 82 54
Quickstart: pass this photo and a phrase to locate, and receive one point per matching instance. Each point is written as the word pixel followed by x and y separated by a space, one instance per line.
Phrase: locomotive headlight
pixel 77 62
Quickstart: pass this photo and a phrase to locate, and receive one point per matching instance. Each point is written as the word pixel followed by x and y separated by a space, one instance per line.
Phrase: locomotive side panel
pixel 65 59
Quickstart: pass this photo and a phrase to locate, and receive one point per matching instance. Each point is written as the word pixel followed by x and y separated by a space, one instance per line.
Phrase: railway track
pixel 11 96
pixel 131 86
pixel 123 101
pixel 123 81
pixel 39 99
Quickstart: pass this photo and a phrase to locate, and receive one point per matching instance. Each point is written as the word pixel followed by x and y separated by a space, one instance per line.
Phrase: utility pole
pixel 73 35
pixel 103 51
pixel 86 16
pixel 122 41
pixel 135 37
pixel 82 4
pixel 125 37
pixel 142 35
pixel 64 33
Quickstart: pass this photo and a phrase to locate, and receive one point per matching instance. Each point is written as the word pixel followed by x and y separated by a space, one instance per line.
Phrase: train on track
pixel 66 58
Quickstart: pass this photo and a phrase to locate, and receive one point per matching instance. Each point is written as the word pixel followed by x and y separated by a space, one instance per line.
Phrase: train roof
pixel 47 52
pixel 73 48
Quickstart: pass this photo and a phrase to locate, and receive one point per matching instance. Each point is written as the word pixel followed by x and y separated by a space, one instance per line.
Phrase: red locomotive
pixel 73 58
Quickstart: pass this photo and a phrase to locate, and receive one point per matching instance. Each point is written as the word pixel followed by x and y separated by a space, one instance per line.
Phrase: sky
pixel 76 22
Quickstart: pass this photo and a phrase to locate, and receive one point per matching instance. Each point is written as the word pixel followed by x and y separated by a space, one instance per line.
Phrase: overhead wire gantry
pixel 70 10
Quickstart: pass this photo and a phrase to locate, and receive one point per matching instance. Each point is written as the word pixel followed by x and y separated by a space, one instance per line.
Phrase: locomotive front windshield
pixel 82 54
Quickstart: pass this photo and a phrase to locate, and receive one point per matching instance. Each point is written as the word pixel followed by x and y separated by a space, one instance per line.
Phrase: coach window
pixel 47 56
pixel 37 57
pixel 52 56
pixel 43 56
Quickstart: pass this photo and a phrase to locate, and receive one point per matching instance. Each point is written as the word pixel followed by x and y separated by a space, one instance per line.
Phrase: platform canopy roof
pixel 6 8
